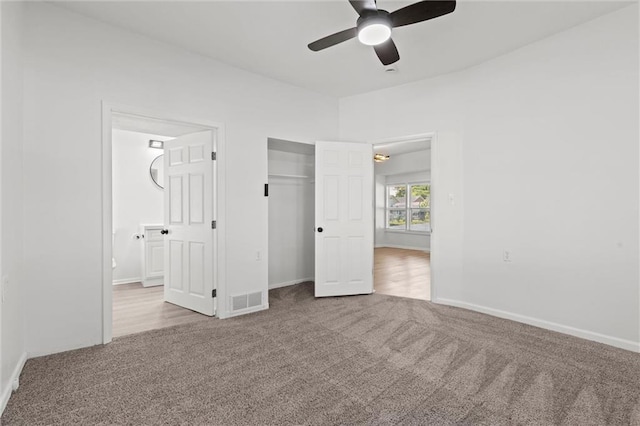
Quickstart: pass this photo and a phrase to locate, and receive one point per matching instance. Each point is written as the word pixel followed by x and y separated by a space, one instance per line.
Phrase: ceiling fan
pixel 374 25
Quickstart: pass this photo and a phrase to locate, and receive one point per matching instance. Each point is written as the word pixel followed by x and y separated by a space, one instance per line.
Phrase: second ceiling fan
pixel 374 25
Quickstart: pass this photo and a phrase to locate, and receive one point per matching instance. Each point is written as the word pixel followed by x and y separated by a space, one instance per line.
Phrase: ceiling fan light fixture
pixel 156 144
pixel 379 158
pixel 374 32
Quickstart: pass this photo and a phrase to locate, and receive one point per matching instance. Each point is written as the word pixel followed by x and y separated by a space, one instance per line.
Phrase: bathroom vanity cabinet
pixel 153 255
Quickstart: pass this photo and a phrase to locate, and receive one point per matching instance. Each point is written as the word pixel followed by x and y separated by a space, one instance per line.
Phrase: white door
pixel 188 216
pixel 344 219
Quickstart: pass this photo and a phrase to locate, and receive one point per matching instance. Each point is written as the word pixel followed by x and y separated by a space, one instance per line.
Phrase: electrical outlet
pixel 506 256
pixel 258 255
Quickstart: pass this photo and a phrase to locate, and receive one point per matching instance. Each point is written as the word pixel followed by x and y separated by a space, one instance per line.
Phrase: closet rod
pixel 290 176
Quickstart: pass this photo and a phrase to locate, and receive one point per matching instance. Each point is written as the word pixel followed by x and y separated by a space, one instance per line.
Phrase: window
pixel 409 213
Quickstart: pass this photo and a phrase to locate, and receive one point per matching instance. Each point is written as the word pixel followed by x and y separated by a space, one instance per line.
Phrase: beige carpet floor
pixel 352 360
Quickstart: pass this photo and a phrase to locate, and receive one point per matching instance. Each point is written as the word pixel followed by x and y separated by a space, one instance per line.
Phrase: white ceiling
pixel 271 37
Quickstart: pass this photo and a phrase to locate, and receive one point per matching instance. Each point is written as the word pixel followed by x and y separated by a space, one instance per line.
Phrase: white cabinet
pixel 153 255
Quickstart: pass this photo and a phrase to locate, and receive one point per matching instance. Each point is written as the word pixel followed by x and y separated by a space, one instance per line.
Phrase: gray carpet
pixel 353 360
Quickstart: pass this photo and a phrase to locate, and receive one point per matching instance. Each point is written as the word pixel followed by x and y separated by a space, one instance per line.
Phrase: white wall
pixel 379 216
pixel 419 161
pixel 68 74
pixel 539 151
pixel 400 169
pixel 522 126
pixel 12 336
pixel 291 218
pixel 136 200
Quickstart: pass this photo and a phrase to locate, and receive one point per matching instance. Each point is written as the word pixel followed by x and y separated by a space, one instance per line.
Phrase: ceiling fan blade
pixel 362 5
pixel 387 52
pixel 421 11
pixel 333 39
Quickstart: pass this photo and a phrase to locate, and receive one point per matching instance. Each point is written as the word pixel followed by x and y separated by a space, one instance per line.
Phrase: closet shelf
pixel 290 176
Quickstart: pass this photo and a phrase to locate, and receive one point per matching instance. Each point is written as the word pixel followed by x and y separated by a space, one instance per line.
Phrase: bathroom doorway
pixel 135 296
pixel 138 220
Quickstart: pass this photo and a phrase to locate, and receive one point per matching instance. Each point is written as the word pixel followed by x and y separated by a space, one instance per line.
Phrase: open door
pixel 344 219
pixel 188 222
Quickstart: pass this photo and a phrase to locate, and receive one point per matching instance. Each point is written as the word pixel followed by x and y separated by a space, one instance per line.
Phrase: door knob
pixel 320 229
pixel 164 231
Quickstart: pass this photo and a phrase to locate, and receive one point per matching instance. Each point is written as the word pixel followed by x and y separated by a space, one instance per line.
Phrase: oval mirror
pixel 157 171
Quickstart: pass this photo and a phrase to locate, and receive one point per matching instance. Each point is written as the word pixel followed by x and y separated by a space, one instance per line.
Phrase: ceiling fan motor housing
pixel 370 17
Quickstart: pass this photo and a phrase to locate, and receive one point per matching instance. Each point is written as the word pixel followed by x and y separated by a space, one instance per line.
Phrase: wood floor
pixel 400 272
pixel 137 308
pixel 397 272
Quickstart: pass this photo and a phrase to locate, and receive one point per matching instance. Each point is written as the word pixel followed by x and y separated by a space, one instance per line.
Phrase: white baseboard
pixel 403 247
pixel 61 347
pixel 127 281
pixel 288 283
pixel 14 381
pixel 577 332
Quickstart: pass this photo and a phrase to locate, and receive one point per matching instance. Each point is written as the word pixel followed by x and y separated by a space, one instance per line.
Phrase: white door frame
pixel 433 137
pixel 219 197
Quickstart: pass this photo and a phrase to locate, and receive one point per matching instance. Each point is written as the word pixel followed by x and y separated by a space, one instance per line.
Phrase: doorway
pixel 138 183
pixel 291 190
pixel 402 259
pixel 138 214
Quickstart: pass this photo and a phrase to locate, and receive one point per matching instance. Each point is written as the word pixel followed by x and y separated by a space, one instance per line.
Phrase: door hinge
pixel 214 293
pixel 213 156
pixel 213 224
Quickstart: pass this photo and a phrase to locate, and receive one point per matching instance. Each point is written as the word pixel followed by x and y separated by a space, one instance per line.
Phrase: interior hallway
pixel 401 272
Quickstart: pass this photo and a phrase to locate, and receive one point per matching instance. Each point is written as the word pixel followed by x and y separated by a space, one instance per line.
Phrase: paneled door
pixel 343 219
pixel 188 220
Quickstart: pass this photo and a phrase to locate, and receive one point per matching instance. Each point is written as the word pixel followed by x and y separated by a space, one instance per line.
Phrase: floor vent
pixel 245 301
pixel 254 299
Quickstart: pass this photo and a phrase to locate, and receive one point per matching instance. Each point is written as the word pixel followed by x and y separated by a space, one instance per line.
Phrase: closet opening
pixel 291 170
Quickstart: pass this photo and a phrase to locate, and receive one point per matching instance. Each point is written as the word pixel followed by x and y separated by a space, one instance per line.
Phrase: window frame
pixel 408 210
